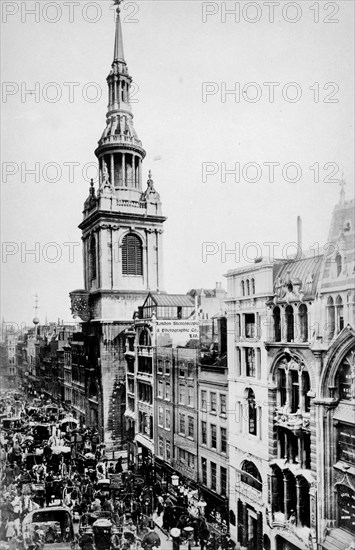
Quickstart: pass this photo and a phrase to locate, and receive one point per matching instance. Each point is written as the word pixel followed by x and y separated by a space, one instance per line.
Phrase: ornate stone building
pixel 122 250
pixel 292 395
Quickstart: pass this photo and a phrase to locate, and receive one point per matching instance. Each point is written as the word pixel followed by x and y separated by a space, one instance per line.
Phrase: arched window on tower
pixel 253 286
pixel 303 322
pixel 132 255
pixel 290 333
pixel 248 287
pixel 339 264
pixel 93 257
pixel 242 286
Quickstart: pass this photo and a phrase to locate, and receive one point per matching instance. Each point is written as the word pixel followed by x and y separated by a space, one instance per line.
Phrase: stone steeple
pixel 120 151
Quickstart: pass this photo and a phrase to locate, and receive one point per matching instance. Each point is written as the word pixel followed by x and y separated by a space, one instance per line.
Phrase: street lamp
pixel 175 535
pixel 175 480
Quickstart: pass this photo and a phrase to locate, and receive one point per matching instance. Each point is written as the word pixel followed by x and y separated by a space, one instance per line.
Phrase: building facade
pixel 122 248
pixel 291 374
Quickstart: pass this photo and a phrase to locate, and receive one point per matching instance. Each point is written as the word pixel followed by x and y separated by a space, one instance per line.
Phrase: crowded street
pixel 59 490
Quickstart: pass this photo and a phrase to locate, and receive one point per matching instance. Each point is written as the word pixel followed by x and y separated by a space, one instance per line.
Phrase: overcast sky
pixel 183 57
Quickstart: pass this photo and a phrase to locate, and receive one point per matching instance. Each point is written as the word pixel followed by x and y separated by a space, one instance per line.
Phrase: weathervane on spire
pixel 118 3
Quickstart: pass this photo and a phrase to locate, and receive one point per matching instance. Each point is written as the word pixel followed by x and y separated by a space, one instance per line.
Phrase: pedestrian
pixel 203 533
pixel 118 467
pixel 151 539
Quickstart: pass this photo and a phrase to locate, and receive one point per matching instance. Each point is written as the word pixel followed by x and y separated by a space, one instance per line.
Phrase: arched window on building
pixel 252 413
pixel 242 286
pixel 303 518
pixel 93 258
pixel 251 475
pixel 277 323
pixel 339 313
pixel 339 264
pixel 278 490
pixel 344 379
pixel 290 332
pixel 248 287
pixel 253 286
pixel 330 319
pixel 282 387
pixel 303 322
pixel 346 508
pixel 132 255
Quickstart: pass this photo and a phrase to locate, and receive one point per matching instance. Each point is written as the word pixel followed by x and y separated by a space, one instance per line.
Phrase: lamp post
pixel 175 480
pixel 175 535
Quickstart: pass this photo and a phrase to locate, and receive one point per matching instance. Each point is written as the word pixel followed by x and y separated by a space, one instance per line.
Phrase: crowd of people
pixel 48 462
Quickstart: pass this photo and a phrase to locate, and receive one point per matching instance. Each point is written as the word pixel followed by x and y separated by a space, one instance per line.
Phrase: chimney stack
pixel 299 236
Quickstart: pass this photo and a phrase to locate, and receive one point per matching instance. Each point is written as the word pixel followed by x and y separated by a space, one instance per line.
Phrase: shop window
pixel 346 508
pixel 346 443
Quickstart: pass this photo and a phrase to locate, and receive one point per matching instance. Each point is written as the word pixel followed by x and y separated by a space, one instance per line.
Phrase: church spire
pixel 120 151
pixel 118 54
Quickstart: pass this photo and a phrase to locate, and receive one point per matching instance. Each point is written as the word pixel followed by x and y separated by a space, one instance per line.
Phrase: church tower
pixel 122 250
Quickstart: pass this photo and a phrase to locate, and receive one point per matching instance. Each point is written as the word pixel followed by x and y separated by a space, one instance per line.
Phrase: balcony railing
pixel 293 421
